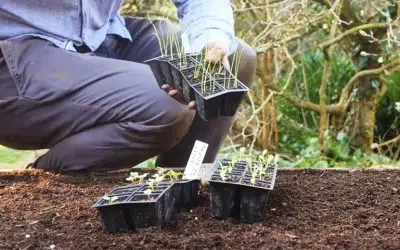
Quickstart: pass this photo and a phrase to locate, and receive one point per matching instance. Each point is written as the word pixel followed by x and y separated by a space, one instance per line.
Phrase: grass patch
pixel 11 156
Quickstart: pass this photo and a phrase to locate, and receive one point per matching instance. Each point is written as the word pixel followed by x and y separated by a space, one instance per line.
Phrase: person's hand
pixel 217 52
pixel 177 95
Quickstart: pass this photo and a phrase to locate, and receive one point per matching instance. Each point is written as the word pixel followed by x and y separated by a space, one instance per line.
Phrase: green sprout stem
pixel 135 177
pixel 204 80
pixel 198 67
pixel 148 192
pixel 236 65
pixel 222 171
pixel 171 44
pixel 180 51
pixel 174 176
pixel 161 42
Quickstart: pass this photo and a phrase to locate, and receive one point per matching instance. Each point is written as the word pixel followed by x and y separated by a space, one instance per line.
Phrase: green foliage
pixel 388 119
pixel 11 156
pixel 293 137
pixel 313 61
pixel 340 154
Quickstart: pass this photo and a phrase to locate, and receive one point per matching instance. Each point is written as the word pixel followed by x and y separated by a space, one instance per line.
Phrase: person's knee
pixel 165 129
pixel 247 63
pixel 173 131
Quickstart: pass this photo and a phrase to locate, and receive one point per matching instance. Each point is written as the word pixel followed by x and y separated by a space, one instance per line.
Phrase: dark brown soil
pixel 307 210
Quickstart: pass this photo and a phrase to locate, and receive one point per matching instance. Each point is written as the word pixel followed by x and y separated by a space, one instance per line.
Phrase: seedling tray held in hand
pixel 216 94
pixel 236 196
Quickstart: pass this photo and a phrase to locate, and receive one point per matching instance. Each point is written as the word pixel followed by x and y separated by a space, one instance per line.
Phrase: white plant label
pixel 195 161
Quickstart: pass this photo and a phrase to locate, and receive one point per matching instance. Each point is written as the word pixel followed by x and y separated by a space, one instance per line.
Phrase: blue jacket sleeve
pixel 206 21
pixel 180 5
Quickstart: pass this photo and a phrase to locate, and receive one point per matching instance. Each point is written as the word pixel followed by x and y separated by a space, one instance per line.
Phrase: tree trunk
pixel 369 92
pixel 269 135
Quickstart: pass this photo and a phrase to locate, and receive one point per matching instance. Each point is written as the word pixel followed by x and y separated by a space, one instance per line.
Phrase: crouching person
pixel 76 83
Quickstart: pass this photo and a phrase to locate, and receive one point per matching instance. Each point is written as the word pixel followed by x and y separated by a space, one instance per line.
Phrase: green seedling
pixel 158 178
pixel 148 192
pixel 236 158
pixel 111 199
pixel 237 58
pixel 161 41
pixel 199 66
pixel 166 43
pixel 170 38
pixel 222 171
pixel 254 169
pixel 231 165
pixel 134 177
pixel 260 169
pixel 266 163
pixel 174 176
pixel 204 80
pixel 180 52
pixel 154 182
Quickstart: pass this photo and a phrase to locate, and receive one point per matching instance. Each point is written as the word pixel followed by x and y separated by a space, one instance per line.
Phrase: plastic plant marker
pixel 195 160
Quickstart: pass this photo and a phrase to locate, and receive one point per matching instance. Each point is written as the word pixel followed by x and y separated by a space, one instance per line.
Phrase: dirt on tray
pixel 306 210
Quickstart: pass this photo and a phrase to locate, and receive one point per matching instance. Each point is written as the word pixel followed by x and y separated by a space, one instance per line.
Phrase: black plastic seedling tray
pixel 224 200
pixel 161 70
pixel 208 98
pixel 233 97
pixel 187 84
pixel 134 209
pixel 179 73
pixel 177 66
pixel 167 69
pixel 236 197
pixel 115 215
pixel 186 193
pixel 151 210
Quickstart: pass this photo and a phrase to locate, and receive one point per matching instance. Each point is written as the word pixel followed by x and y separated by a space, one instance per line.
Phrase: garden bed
pixel 306 209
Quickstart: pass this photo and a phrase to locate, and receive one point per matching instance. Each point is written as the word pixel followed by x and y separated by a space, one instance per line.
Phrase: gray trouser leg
pixel 92 112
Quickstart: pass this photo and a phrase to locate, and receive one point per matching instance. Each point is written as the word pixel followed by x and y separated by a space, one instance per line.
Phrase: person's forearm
pixel 205 21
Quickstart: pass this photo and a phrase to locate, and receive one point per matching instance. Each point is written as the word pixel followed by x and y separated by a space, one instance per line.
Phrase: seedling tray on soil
pixel 134 209
pixel 186 193
pixel 216 94
pixel 115 214
pixel 131 208
pixel 236 196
